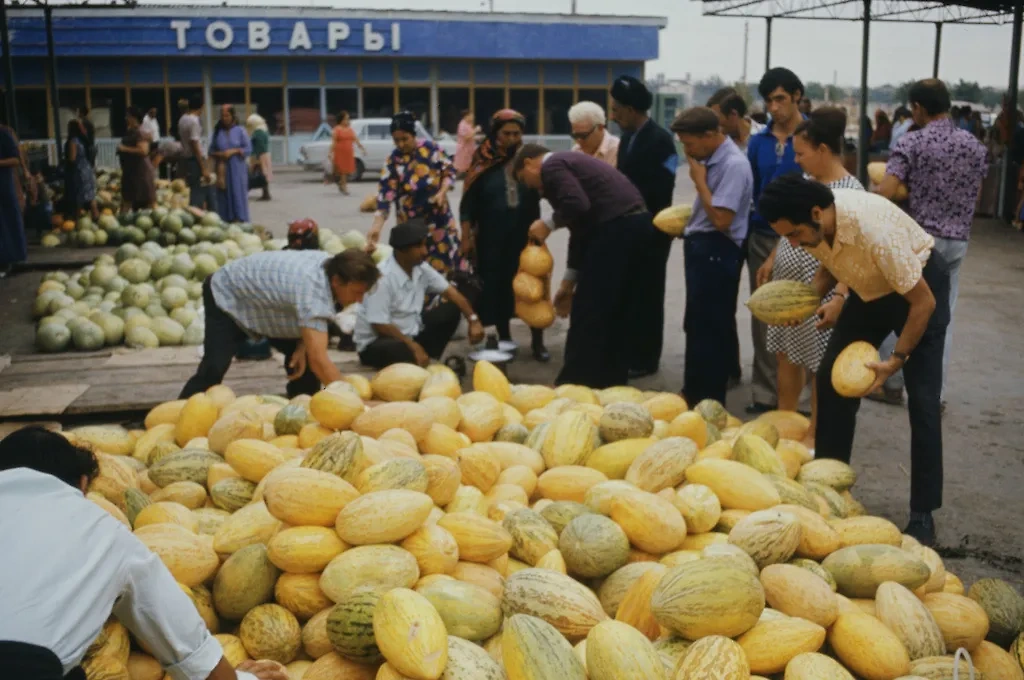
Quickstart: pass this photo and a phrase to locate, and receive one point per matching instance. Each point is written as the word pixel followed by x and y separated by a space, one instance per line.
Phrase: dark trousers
pixel 596 348
pixel 221 343
pixel 30 662
pixel 200 195
pixel 872 322
pixel 439 326
pixel 647 307
pixel 712 261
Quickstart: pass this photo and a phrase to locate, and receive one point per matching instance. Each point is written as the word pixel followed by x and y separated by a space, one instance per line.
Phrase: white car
pixel 375 135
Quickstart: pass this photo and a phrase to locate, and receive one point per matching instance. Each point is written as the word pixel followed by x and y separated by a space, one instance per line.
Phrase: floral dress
pixel 409 181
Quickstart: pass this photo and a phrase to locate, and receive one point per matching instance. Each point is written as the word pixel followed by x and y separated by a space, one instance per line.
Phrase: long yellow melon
pixel 737 486
pixel 411 634
pixel 532 649
pixel 304 550
pixel 868 648
pixel 563 602
pixel 383 516
pixel 301 496
pixel 784 302
pixel 770 645
pixel 708 597
pixel 814 666
pixel 616 650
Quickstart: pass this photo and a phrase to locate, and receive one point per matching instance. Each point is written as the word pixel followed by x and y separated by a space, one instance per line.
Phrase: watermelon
pixel 88 336
pixel 168 331
pixel 53 337
pixel 350 626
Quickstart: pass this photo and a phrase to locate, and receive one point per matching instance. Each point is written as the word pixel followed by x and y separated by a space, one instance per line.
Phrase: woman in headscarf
pixel 259 161
pixel 496 213
pixel 229 148
pixel 416 178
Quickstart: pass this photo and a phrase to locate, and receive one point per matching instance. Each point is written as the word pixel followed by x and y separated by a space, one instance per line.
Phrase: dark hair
pixel 931 95
pixel 220 123
pixel 759 117
pixel 900 113
pixel 825 125
pixel 526 153
pixel 36 448
pixel 698 120
pixel 733 104
pixel 75 129
pixel 791 197
pixel 183 105
pixel 133 112
pixel 352 266
pixel 195 102
pixel 342 115
pixel 779 77
pixel 720 96
pixel 881 117
pixel 404 121
pixel 83 111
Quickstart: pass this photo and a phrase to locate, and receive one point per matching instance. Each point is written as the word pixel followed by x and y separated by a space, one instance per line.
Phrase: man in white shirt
pixel 590 133
pixel 56 594
pixel 150 126
pixel 392 326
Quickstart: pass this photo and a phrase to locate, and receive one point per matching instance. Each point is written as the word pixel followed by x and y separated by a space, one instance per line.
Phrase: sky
pixel 816 50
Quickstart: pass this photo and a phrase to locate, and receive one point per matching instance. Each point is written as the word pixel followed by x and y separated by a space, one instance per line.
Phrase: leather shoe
pixel 637 373
pixel 921 527
pixel 541 354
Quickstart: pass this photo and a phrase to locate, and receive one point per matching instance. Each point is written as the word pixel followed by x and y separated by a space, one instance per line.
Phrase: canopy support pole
pixel 862 145
pixel 1008 185
pixel 51 62
pixel 938 49
pixel 768 44
pixel 5 41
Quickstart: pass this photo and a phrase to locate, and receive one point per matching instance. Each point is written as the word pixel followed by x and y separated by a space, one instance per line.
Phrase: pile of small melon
pixel 396 527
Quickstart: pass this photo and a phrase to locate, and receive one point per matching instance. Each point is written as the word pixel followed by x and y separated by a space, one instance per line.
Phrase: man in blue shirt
pixel 712 250
pixel 771 155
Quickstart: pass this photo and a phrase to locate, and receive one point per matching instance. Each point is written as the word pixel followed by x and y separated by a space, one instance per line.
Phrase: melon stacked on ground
pixel 532 287
pixel 400 528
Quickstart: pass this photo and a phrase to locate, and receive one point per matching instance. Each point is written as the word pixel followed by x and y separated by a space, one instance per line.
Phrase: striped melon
pixel 652 523
pixel 304 550
pixel 995 663
pixel 614 588
pixel 560 513
pixel 468 499
pixel 411 634
pixel 727 551
pixel 482 575
pixel 158 434
pixel 554 561
pixel 479 539
pixel 625 420
pixel 816 569
pixel 242 424
pixel 301 496
pixel 301 595
pixel 713 656
pixel 532 536
pixel 699 507
pixel 369 565
pixel 962 621
pixel 112 439
pixel 795 591
pixel 814 666
pixel 616 650
pixel 480 467
pixel 1017 649
pixel 482 416
pixel 635 608
pixel 662 464
pixel 769 536
pixel 441 385
pixel 754 451
pixel 860 569
pixel 905 615
pixel 942 668
pixel 114 511
pixel 521 476
pixel 271 632
pixel 850 375
pixel 338 454
pixel 1004 606
pixel 737 485
pixel 434 548
pixel 399 473
pixel 189 558
pixel 232 494
pixel 468 661
pixel 532 649
pixel 443 478
pixel 599 497
pixel 191 465
pixel 558 599
pixel 399 382
pixel 830 502
pixel 763 429
pixel 468 610
pixel 244 581
pixel 512 432
pixel 189 494
pixel 350 626
pixel 794 493
pixel 868 530
pixel 829 472
pixel 867 647
pixel 252 524
pixel 593 546
pixel 444 441
pixel 614 460
pixel 784 302
pixel 708 597
pixel 167 513
pixel 331 666
pixel 770 645
pixel 570 438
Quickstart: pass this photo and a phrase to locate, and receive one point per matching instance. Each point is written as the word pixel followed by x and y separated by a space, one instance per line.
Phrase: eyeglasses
pixel 580 136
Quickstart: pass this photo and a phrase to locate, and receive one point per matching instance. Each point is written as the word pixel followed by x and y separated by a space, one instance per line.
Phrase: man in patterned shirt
pixel 288 297
pixel 943 168
pixel 898 283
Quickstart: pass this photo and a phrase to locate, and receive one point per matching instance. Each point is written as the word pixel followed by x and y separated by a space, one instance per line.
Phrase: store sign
pixel 336 35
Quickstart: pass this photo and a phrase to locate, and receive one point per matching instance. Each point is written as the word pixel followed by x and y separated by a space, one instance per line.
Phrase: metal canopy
pixel 901 11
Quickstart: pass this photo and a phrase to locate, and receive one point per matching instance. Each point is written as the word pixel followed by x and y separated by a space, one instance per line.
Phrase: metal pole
pixel 5 41
pixel 1007 186
pixel 862 145
pixel 51 62
pixel 768 44
pixel 938 49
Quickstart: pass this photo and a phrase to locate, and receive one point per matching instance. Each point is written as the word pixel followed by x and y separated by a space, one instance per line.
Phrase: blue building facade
pixel 299 67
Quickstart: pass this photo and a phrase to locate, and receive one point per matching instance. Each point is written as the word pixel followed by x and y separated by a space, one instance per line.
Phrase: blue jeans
pixel 954 253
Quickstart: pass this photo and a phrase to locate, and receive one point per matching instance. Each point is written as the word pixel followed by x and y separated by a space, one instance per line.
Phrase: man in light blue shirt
pixel 391 325
pixel 712 251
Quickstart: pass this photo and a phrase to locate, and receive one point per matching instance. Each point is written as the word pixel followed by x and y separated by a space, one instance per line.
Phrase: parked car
pixel 375 135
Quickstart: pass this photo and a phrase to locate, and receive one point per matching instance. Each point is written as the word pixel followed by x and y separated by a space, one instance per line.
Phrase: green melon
pixel 205 265
pixel 194 334
pixel 135 501
pixel 1004 606
pixel 338 454
pixel 162 267
pixel 187 465
pixel 168 331
pixel 232 494
pixel 135 296
pixel 593 546
pixel 41 305
pixel 88 336
pixel 291 419
pixel 112 327
pixel 172 224
pixel 102 275
pixel 513 432
pixel 210 219
pixel 858 570
pixel 85 224
pixel 713 412
pixel 194 290
pixel 135 270
pixel 560 513
pixel 172 298
pixel 624 420
pixel 74 290
pixel 183 265
pixel 468 610
pixel 350 626
pixel 245 581
pixel 155 310
pixel 136 235
pixel 187 236
pixel 53 337
pixel 140 337
pixel 184 315
pixel 117 284
pixel 144 223
pixel 108 222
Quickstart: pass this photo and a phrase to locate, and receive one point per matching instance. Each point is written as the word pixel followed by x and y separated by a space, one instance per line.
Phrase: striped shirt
pixel 276 294
pixel 397 299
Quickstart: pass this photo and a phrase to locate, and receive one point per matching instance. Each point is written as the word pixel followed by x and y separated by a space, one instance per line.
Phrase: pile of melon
pixel 400 528
pixel 532 287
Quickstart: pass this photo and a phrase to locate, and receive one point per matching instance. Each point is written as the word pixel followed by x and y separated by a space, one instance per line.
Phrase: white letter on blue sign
pixel 372 40
pixel 396 37
pixel 300 37
pixel 259 35
pixel 337 31
pixel 227 35
pixel 179 27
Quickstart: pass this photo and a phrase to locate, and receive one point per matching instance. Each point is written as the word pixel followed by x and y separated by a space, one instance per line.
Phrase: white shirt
pixel 397 299
pixel 68 564
pixel 151 128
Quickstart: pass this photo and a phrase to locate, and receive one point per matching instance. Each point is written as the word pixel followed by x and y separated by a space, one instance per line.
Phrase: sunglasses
pixel 580 136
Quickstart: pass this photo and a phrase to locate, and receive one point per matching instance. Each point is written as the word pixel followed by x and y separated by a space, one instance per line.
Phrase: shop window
pixel 417 100
pixel 556 112
pixel 146 72
pixel 341 71
pixel 486 102
pixel 108 107
pixel 598 96
pixel 378 71
pixel 106 72
pixel 452 101
pixel 341 99
pixel 303 71
pixel 146 98
pixel 523 73
pixel 378 102
pixel 227 70
pixel 558 73
pixel 72 99
pixel 269 103
pixel 70 72
pixel 527 102
pixel 32 113
pixel 304 109
pixel 453 72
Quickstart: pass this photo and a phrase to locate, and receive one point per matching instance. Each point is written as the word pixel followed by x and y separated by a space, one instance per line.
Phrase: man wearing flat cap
pixel 392 325
pixel 648 157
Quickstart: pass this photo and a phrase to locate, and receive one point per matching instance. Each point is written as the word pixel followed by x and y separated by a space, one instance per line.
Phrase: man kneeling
pixel 392 326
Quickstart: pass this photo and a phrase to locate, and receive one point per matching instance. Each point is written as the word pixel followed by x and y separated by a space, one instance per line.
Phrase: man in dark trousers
pixel 648 157
pixel 608 225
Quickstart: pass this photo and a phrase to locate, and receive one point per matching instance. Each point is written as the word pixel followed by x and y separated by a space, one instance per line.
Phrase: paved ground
pixel 984 456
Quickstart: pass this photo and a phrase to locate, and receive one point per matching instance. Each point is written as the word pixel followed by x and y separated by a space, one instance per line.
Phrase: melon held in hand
pixel 850 375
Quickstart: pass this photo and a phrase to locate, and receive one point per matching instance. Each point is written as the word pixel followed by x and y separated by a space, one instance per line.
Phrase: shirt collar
pixel 721 152
pixel 946 122
pixel 545 157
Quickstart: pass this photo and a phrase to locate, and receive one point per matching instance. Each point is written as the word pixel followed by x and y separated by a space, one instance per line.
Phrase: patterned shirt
pixel 397 299
pixel 276 294
pixel 878 248
pixel 943 168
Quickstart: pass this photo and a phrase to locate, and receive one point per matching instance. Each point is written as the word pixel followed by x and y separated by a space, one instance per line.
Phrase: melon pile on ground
pixel 399 528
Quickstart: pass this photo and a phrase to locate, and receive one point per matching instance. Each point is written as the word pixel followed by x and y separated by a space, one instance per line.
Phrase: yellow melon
pixel 301 496
pixel 196 418
pixel 867 647
pixel 335 409
pixel 271 632
pixel 304 549
pixel 411 634
pixel 770 645
pixel 850 375
pixel 382 516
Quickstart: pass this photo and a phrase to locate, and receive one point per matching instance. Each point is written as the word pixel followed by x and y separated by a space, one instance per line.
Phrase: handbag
pixel 257 180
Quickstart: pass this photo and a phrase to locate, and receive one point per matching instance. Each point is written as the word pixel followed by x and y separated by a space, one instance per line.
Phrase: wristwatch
pixel 902 356
pixel 473 317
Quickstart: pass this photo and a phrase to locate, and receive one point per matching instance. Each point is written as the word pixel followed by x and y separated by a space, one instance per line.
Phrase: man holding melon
pixel 898 283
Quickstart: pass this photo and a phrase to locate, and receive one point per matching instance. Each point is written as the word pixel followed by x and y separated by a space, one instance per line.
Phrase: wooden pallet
pixel 48 259
pixel 120 380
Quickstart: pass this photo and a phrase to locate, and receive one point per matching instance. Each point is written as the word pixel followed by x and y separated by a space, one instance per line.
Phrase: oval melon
pixel 244 581
pixel 708 597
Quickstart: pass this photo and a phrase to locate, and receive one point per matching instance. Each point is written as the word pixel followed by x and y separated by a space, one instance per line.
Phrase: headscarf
pixel 488 155
pixel 256 122
pixel 404 121
pixel 631 92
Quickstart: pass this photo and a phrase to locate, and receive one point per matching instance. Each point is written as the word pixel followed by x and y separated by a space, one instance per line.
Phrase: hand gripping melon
pixel 383 516
pixel 593 546
pixel 673 219
pixel 244 581
pixel 708 597
pixel 798 592
pixel 769 536
pixel 867 647
pixel 860 569
pixel 850 375
pixel 784 302
pixel 533 649
pixel 270 631
pixel 468 661
pixel 527 287
pixel 1004 606
pixel 713 656
pixel 411 634
pixel 558 599
pixel 616 650
pixel 814 666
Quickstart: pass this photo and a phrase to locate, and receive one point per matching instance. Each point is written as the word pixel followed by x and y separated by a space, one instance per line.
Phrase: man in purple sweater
pixel 607 223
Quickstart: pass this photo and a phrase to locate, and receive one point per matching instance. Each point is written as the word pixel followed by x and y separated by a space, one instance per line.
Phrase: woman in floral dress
pixel 416 179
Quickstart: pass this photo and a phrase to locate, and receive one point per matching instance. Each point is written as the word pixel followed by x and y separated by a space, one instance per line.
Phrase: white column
pixel 435 104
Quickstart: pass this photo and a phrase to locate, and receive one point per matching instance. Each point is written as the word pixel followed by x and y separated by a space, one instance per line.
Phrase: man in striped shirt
pixel 288 297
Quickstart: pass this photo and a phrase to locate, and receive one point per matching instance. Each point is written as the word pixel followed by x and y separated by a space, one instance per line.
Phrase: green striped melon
pixel 904 614
pixel 533 649
pixel 469 661
pixel 708 597
pixel 532 536
pixel 625 420
pixel 1004 606
pixel 350 626
pixel 398 473
pixel 783 302
pixel 565 603
pixel 568 439
pixel 860 569
pixel 713 413
pixel 559 513
pixel 714 656
pixel 232 494
pixel 593 546
pixel 754 451
pixel 793 493
pixel 187 465
pixel 769 536
pixel 338 454
pixel 662 464
pixel 832 473
pixel 291 418
pixel 135 501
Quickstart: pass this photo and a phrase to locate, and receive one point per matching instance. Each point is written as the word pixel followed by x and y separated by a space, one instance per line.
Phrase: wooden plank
pixel 41 258
pixel 8 428
pixel 48 400
pixel 5 361
pixel 144 396
pixel 163 356
pixel 63 358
